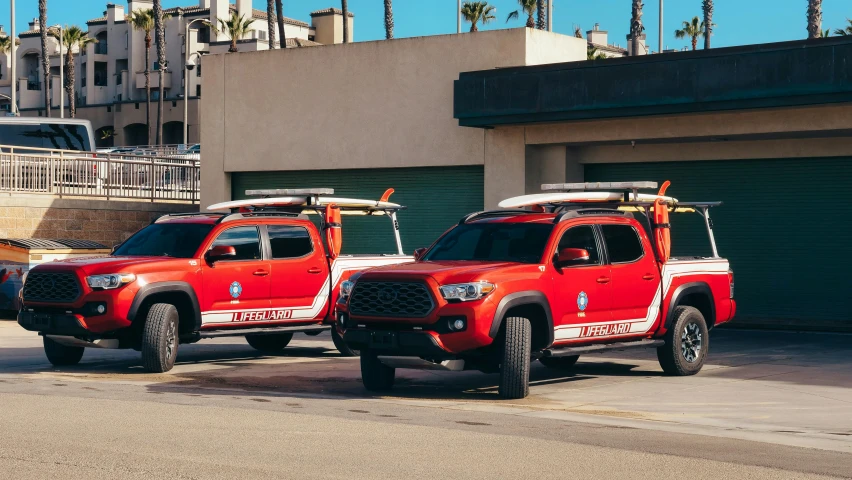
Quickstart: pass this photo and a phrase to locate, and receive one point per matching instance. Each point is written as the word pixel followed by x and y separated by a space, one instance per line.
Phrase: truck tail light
pixel 731 280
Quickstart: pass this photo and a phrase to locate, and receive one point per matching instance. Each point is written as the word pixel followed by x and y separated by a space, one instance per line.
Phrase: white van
pixel 50 133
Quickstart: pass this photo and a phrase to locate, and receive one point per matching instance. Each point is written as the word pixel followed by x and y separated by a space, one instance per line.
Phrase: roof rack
pixel 490 213
pixel 587 186
pixel 185 214
pixel 581 212
pixel 244 215
pixel 290 192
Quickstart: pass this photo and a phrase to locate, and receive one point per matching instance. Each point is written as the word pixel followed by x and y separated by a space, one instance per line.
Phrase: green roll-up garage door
pixel 436 197
pixel 783 226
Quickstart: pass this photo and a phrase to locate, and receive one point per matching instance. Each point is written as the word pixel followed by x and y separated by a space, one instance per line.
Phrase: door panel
pixel 635 278
pixel 232 287
pixel 583 294
pixel 299 272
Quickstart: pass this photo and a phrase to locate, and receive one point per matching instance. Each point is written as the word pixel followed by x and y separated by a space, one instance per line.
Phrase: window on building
pixel 622 243
pixel 101 79
pixel 83 74
pixel 198 70
pixel 198 90
pixel 262 35
pixel 203 35
pixel 101 46
pixel 287 241
pixel 126 40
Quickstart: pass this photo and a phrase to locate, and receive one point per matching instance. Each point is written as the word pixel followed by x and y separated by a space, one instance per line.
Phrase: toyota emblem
pixel 387 295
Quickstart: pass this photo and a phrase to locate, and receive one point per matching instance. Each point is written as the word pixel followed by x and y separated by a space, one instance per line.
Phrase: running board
pixel 242 332
pixel 420 364
pixel 601 347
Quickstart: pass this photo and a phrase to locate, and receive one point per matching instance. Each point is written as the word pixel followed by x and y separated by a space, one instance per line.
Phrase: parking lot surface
pixel 767 405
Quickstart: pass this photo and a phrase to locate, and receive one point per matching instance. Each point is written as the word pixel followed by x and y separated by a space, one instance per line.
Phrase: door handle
pixel 314 270
pixel 648 276
pixel 260 273
pixel 603 279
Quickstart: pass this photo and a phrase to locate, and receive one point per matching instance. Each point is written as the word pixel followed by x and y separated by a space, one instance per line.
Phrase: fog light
pixel 101 309
pixel 458 324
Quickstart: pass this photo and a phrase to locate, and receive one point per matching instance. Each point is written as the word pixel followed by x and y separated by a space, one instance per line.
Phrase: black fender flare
pixel 528 297
pixel 165 287
pixel 688 289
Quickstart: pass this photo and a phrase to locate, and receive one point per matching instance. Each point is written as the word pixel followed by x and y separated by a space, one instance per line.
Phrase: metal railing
pixel 67 173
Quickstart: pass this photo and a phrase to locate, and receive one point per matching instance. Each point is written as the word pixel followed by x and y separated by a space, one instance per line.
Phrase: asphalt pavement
pixel 767 405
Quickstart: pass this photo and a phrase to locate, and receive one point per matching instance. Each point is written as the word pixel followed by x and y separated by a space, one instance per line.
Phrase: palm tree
pixel 45 60
pixel 280 11
pixel 6 44
pixel 388 19
pixel 693 30
pixel 529 7
pixel 578 32
pixel 814 18
pixel 143 20
pixel 843 32
pixel 344 5
pixel 541 23
pixel 270 22
pixel 707 6
pixel 474 12
pixel 235 28
pixel 72 37
pixel 593 54
pixel 825 33
pixel 160 33
pixel 636 26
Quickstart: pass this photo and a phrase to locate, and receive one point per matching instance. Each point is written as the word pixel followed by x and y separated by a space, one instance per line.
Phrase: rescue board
pixel 303 201
pixel 579 197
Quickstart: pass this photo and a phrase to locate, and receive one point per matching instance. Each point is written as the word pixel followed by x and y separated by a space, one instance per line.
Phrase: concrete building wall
pixel 104 222
pixel 359 105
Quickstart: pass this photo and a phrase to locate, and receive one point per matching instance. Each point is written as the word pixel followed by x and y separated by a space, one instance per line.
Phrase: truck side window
pixel 622 243
pixel 288 241
pixel 582 237
pixel 245 241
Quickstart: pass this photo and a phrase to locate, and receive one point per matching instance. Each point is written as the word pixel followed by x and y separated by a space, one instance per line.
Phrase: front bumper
pixel 53 323
pixel 397 343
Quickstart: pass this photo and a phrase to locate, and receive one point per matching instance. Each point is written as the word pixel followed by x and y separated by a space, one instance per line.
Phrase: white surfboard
pixel 578 197
pixel 299 201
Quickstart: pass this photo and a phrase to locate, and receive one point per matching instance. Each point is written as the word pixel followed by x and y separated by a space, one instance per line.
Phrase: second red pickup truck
pixel 576 272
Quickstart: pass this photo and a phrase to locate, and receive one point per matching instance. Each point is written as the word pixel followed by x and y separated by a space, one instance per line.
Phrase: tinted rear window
pixel 289 242
pixel 622 243
pixel 46 135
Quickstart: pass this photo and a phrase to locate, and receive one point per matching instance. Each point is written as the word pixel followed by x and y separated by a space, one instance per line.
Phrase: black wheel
pixel 160 338
pixel 272 343
pixel 515 361
pixel 562 363
pixel 687 342
pixel 341 346
pixel 62 355
pixel 377 376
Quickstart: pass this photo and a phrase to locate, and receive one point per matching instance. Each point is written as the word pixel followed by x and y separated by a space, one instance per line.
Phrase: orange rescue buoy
pixel 333 230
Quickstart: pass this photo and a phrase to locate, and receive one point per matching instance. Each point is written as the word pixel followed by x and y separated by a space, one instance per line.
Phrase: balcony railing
pixel 101 48
pixel 66 173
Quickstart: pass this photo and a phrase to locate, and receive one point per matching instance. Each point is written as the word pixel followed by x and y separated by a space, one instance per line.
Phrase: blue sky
pixel 777 20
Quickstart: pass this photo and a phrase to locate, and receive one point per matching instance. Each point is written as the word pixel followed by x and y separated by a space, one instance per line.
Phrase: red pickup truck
pixel 260 269
pixel 578 272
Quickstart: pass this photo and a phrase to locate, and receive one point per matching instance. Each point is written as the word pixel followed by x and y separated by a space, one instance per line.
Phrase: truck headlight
pixel 346 288
pixel 467 292
pixel 110 281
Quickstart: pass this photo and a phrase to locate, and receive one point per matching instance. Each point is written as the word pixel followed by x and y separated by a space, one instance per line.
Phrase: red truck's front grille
pixel 391 299
pixel 51 287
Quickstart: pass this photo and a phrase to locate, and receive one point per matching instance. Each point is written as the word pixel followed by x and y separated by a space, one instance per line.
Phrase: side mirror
pixel 220 252
pixel 571 256
pixel 419 253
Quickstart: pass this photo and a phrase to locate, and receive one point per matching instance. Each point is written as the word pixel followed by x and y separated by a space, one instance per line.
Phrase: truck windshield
pixel 494 242
pixel 180 240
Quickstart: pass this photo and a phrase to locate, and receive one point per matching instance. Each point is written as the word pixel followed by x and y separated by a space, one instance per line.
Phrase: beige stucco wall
pixel 357 105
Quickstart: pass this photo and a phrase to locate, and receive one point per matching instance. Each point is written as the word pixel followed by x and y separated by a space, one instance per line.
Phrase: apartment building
pixel 110 80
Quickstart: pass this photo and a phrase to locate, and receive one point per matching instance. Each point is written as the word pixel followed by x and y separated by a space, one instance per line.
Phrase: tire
pixel 62 355
pixel 687 343
pixel 376 376
pixel 272 343
pixel 560 363
pixel 341 346
pixel 515 361
pixel 160 338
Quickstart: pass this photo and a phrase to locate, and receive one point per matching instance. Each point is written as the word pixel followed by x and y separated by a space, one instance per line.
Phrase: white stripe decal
pixel 307 312
pixel 671 270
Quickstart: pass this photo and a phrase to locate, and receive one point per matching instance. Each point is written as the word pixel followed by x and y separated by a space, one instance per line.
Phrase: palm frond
pixel 513 16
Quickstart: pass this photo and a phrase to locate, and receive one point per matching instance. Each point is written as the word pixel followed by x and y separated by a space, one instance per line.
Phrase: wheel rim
pixel 690 342
pixel 170 340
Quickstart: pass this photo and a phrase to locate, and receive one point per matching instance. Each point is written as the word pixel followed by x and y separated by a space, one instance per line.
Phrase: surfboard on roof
pixel 588 193
pixel 307 198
